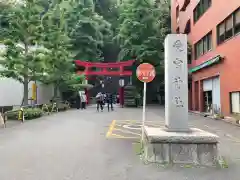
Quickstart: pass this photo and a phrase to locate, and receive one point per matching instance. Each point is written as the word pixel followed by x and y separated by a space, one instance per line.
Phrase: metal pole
pixel 144 108
pixel 36 100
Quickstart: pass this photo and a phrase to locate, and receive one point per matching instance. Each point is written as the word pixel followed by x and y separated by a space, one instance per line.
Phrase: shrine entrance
pixel 105 69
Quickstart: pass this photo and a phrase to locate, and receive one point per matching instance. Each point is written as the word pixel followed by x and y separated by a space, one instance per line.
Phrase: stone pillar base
pixel 196 147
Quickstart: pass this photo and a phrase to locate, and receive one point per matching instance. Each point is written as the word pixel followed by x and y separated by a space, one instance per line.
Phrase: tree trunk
pixel 25 80
pixel 25 91
pixel 55 91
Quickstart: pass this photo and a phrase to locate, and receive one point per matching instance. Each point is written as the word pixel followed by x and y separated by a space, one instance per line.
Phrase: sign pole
pixel 145 73
pixel 144 108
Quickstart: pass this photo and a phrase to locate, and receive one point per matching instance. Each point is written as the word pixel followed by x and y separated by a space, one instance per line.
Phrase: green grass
pixel 138 148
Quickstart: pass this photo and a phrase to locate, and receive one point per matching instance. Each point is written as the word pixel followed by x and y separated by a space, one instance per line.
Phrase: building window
pixel 187 27
pixel 189 58
pixel 221 32
pixel 229 27
pixel 203 46
pixel 177 12
pixel 201 8
pixel 200 48
pixel 209 42
pixel 237 21
pixel 235 102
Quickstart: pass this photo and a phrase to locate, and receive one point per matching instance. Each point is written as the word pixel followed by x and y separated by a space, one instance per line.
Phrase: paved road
pixel 73 146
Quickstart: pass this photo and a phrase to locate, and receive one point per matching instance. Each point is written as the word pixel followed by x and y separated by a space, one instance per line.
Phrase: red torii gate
pixel 105 69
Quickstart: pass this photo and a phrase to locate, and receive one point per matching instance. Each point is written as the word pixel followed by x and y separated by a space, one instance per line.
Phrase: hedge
pixel 34 112
pixel 29 113
pixel 61 107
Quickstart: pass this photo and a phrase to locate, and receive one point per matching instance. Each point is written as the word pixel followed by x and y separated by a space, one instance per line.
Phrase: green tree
pixel 109 9
pixel 55 39
pixel 74 83
pixel 87 29
pixel 23 59
pixel 142 30
pixel 6 9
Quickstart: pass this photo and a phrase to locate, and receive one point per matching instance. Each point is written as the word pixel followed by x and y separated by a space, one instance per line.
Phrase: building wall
pixel 11 92
pixel 228 69
pixel 44 93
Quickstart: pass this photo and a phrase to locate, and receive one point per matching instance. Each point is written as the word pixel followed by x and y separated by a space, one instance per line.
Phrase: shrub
pixel 32 113
pixel 60 105
pixel 47 108
pixel 29 113
pixel 12 115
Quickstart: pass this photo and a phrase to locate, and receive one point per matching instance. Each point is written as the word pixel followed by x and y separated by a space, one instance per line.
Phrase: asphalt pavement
pixel 91 145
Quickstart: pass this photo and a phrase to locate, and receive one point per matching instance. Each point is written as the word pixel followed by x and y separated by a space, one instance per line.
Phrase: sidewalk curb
pixel 229 120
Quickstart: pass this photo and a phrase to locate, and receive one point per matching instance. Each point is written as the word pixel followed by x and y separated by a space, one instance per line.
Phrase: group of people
pixel 101 99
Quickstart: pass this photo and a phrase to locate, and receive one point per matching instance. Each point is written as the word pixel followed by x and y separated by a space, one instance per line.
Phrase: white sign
pixel 176 82
pixel 121 82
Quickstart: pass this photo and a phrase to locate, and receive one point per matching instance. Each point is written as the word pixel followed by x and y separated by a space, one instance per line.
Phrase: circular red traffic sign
pixel 145 72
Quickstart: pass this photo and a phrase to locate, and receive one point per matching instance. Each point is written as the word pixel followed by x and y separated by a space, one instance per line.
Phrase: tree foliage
pixel 87 29
pixel 109 10
pixel 55 39
pixel 143 27
pixel 43 37
pixel 23 58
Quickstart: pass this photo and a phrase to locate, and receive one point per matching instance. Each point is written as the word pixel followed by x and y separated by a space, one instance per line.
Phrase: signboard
pixel 210 62
pixel 146 72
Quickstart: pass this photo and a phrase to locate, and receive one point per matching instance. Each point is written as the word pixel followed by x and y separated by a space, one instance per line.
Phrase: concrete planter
pixel 197 147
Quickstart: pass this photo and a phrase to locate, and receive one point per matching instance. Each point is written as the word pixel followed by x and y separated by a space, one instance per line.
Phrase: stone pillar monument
pixel 176 142
pixel 176 83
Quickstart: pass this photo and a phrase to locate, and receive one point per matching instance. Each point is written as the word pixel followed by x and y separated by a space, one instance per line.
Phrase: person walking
pixel 100 99
pixel 109 101
pixel 83 100
pixel 138 99
pixel 78 100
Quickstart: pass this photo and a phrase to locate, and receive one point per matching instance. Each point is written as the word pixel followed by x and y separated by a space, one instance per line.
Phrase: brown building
pixel 213 28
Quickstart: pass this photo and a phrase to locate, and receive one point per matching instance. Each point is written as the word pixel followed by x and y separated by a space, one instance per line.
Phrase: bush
pixel 48 108
pixel 29 113
pixel 32 113
pixel 12 115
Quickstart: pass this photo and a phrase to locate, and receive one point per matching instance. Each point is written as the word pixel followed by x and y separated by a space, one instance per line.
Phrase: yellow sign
pixel 34 91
